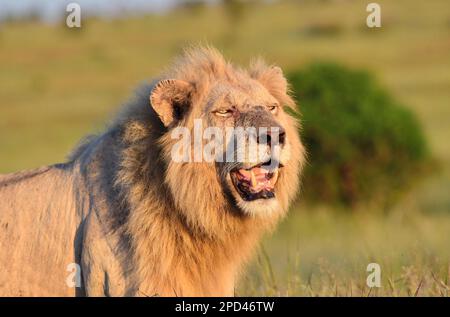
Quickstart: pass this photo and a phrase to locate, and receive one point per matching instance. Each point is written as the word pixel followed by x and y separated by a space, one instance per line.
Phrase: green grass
pixel 57 84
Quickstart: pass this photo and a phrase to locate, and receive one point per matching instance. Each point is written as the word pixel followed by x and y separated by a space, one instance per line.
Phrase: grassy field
pixel 57 84
pixel 318 252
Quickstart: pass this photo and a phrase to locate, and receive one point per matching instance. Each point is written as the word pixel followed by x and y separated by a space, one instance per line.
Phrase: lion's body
pixel 38 228
pixel 134 223
pixel 48 223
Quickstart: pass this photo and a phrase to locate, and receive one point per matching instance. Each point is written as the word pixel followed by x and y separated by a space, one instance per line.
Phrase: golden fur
pixel 139 223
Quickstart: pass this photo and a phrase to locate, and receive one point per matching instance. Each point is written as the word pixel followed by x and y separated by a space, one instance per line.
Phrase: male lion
pixel 136 221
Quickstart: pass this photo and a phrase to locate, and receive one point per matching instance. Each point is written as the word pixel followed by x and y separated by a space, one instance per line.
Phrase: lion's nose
pixel 277 134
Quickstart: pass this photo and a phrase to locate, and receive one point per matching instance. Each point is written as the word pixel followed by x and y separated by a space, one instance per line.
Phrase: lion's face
pixel 259 148
pixel 243 153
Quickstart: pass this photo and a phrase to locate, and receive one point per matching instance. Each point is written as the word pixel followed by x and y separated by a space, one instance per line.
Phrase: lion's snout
pixel 268 130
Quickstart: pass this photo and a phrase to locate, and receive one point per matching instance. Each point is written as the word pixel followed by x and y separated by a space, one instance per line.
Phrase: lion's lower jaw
pixel 260 207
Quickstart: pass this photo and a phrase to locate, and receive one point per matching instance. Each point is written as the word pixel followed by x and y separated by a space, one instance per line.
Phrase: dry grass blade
pixel 418 287
pixel 392 286
pixel 441 284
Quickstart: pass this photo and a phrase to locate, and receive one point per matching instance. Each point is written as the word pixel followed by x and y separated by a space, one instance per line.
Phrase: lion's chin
pixel 260 207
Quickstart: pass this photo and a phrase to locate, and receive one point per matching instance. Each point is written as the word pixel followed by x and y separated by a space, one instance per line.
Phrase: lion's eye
pixel 272 108
pixel 224 112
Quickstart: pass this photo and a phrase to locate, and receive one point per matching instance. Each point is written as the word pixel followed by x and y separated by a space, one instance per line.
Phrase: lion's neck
pixel 172 259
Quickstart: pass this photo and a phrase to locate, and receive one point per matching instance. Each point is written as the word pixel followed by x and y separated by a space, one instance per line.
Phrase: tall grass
pixel 318 252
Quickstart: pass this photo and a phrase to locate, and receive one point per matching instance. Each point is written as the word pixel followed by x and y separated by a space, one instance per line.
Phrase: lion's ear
pixel 171 99
pixel 272 78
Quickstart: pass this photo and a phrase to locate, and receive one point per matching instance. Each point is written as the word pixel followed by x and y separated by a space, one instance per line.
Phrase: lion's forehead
pixel 242 95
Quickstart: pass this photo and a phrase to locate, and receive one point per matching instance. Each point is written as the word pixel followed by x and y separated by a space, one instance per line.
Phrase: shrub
pixel 363 147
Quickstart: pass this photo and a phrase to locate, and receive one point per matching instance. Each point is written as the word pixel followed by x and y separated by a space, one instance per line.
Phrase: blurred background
pixel 374 102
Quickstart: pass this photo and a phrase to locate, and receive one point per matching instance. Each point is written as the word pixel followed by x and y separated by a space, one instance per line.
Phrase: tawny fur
pixel 138 223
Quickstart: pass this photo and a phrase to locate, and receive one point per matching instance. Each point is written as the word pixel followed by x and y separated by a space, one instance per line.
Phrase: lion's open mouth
pixel 257 182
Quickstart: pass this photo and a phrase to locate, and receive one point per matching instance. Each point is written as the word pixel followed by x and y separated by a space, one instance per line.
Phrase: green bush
pixel 363 147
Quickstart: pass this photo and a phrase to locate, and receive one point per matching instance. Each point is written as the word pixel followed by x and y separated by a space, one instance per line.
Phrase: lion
pixel 122 218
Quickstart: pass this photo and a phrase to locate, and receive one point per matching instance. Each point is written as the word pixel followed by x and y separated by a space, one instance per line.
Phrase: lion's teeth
pixel 274 177
pixel 253 179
